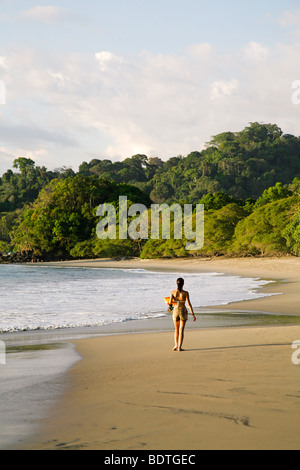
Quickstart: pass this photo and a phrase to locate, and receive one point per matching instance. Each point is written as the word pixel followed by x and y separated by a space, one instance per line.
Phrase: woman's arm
pixel 190 306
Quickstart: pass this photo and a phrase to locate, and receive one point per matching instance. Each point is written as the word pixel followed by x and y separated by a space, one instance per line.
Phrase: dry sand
pixel 231 389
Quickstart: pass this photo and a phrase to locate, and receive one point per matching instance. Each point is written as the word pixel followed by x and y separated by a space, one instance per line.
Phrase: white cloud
pixel 289 18
pixel 223 88
pixel 203 50
pixel 3 63
pixel 105 59
pixel 65 108
pixel 59 79
pixel 256 52
pixel 46 14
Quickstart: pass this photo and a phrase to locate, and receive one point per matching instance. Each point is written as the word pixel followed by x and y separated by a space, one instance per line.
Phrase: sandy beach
pixel 232 388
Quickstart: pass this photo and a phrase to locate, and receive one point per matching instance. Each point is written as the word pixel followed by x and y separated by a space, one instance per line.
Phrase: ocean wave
pixel 49 298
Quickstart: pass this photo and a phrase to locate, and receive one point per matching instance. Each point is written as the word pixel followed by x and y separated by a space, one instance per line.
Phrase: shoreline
pixel 231 389
pixel 72 415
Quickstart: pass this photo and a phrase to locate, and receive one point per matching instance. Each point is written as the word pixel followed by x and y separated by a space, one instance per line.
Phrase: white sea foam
pixel 37 297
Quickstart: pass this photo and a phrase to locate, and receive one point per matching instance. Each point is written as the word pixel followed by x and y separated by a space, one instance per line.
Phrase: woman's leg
pixel 181 335
pixel 176 334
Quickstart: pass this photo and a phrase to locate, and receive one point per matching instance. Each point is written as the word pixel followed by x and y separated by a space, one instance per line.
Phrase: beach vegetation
pixel 292 234
pixel 248 182
pixel 264 232
pixel 63 217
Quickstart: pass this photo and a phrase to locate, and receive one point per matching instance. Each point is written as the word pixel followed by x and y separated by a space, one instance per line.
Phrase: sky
pixel 108 79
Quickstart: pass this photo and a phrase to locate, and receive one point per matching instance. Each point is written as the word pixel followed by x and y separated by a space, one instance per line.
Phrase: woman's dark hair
pixel 180 283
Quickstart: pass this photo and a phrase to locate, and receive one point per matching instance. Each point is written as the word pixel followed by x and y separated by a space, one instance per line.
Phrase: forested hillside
pixel 249 182
pixel 240 164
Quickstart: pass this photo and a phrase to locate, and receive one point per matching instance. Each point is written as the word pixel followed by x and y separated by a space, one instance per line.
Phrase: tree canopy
pixel 248 181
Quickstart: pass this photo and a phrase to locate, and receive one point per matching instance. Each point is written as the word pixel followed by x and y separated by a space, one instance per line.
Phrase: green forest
pixel 248 181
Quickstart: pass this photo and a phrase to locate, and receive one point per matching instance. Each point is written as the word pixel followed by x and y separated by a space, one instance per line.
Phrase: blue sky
pixel 108 79
pixel 129 26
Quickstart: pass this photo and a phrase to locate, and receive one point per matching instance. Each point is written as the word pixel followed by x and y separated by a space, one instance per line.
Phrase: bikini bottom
pixel 180 313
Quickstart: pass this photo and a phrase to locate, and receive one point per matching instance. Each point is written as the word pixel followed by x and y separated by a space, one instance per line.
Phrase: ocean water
pixel 51 304
pixel 30 384
pixel 47 298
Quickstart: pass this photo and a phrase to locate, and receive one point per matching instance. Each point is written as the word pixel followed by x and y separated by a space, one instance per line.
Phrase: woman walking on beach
pixel 180 313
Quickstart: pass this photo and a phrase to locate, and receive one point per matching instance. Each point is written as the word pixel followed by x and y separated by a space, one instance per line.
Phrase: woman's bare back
pixel 179 296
